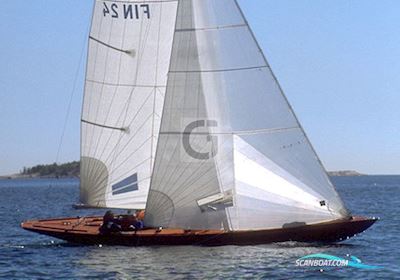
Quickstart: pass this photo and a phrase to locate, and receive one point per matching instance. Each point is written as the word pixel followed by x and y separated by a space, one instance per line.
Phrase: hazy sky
pixel 338 62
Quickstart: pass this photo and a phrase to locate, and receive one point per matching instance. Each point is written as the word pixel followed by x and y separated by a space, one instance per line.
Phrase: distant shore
pixel 341 173
pixel 345 173
pixel 45 171
pixel 71 170
pixel 35 176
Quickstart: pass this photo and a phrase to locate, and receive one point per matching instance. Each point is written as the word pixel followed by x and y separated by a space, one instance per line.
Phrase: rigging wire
pixel 71 98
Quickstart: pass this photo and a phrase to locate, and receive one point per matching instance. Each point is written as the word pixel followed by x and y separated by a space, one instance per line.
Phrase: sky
pixel 338 62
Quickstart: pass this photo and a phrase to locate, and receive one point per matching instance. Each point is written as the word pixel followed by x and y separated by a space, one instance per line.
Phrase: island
pixel 71 169
pixel 345 173
pixel 64 170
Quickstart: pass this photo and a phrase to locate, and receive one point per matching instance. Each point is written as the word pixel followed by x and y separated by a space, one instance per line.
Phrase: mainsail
pixel 231 153
pixel 128 57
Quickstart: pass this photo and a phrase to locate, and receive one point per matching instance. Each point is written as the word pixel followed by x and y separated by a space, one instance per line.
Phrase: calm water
pixel 31 256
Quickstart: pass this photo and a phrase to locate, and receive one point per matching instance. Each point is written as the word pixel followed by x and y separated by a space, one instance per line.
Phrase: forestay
pixel 231 153
pixel 129 54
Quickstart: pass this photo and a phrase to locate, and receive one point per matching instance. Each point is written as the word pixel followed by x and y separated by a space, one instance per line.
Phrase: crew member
pixel 110 223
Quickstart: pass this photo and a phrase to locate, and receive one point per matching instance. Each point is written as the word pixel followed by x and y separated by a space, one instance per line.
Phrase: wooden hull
pixel 86 231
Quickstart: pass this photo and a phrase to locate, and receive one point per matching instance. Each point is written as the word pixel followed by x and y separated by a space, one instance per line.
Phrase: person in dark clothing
pixel 110 223
pixel 108 217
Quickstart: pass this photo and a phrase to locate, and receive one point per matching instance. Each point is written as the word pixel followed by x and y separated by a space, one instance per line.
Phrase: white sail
pixel 129 54
pixel 231 153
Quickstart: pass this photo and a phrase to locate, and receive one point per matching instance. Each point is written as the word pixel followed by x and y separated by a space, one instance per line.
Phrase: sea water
pixel 26 255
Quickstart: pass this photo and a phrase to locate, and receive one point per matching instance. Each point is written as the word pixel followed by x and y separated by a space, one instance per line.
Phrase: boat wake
pixel 296 244
pixel 39 245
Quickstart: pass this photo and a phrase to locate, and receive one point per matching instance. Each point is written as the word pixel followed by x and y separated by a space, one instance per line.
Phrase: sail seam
pixel 210 28
pixel 219 70
pixel 131 122
pixel 125 85
pixel 242 132
pixel 118 153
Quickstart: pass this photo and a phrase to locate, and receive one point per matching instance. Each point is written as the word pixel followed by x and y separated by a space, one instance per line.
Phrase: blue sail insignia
pixel 128 184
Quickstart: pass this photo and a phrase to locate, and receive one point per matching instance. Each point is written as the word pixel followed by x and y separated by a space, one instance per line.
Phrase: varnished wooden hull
pixel 86 231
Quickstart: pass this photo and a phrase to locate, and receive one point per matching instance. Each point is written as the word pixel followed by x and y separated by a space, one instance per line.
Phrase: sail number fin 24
pixel 126 11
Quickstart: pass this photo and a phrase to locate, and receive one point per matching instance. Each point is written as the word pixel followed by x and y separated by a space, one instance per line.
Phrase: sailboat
pixel 183 117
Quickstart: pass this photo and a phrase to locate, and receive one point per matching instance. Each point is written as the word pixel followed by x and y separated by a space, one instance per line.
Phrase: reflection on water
pixel 273 260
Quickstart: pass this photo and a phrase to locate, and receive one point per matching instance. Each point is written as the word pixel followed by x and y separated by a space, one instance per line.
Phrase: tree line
pixel 53 170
